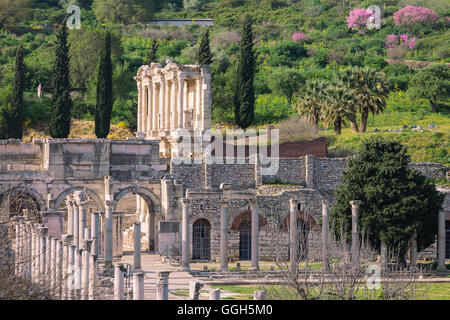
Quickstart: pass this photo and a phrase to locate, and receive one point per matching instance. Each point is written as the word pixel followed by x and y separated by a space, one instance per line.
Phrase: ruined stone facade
pixel 171 98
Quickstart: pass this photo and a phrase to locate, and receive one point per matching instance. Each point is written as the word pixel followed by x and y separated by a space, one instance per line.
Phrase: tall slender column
pixel 69 205
pixel 355 229
pixel 293 230
pixel 95 234
pixel 185 237
pixel 67 242
pixel 224 234
pixel 93 274
pixel 43 232
pixel 167 106
pixel 255 235
pixel 441 243
pixel 162 106
pixel 325 230
pixel 180 102
pixel 118 282
pixel 53 260
pixel 144 111
pixel 58 269
pixel 137 246
pixel 108 233
pixel 48 264
pixel 154 109
pixel 33 253
pixel 413 250
pixel 149 110
pixel 162 285
pixel 173 104
pixel 28 255
pixel 79 268
pixel 81 201
pixel 138 285
pixel 18 260
pixel 72 273
pixel 86 245
pixel 76 231
pixel 140 103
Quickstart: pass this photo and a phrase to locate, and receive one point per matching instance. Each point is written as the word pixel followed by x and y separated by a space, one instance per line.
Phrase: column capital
pixel 43 231
pixel 80 197
pixel 86 245
pixel 185 201
pixel 355 203
pixel 69 203
pixel 293 203
pixel 253 201
pixel 110 203
pixel 163 278
pixel 224 203
pixel 67 239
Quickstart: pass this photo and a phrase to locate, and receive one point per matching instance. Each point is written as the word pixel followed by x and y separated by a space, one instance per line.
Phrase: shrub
pixel 357 19
pixel 285 53
pixel 409 15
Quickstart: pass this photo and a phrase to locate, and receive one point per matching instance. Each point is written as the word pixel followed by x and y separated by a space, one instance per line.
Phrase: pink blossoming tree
pixel 357 19
pixel 409 15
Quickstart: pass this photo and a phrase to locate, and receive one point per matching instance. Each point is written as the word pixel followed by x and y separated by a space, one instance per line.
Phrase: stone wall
pixel 240 176
pixel 291 171
pixel 190 175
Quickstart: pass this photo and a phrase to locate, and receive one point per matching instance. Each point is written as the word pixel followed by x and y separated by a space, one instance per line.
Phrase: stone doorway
pixel 201 240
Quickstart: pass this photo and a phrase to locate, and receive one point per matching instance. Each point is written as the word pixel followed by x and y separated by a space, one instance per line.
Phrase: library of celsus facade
pixel 170 98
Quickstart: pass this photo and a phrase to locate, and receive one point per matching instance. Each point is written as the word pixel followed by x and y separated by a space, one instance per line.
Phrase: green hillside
pixel 310 38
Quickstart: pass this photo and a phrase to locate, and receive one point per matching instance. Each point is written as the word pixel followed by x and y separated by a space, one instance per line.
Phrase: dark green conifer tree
pixel 151 55
pixel 104 90
pixel 59 125
pixel 244 98
pixel 16 116
pixel 204 55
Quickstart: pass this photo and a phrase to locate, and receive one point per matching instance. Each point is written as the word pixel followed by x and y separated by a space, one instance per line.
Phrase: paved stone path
pixel 151 264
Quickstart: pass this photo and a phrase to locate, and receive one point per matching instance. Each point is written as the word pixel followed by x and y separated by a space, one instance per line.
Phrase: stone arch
pixel 30 191
pixel 149 197
pixel 246 215
pixel 92 194
pixel 201 239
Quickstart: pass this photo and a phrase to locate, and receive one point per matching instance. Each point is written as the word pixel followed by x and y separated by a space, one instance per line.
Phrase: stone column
pixel 214 294
pixel 95 234
pixel 19 245
pixel 441 243
pixel 255 235
pixel 86 245
pixel 167 106
pixel 185 237
pixel 33 253
pixel 137 246
pixel 81 200
pixel 138 285
pixel 79 265
pixel 76 231
pixel 69 205
pixel 154 110
pixel 293 230
pixel 48 264
pixel 194 289
pixel 149 110
pixel 93 274
pixel 162 286
pixel 355 229
pixel 413 250
pixel 383 254
pixel 27 251
pixel 43 232
pixel 139 112
pixel 108 233
pixel 66 242
pixel 259 295
pixel 118 282
pixel 325 230
pixel 224 234
pixel 173 104
pixel 162 106
pixel 58 269
pixel 53 260
pixel 180 102
pixel 72 273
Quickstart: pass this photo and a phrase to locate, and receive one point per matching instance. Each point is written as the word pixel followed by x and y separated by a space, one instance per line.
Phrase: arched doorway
pixel 245 240
pixel 14 201
pixel 201 240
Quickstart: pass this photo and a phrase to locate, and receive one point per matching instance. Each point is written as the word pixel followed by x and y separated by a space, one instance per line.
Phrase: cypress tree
pixel 204 55
pixel 59 125
pixel 104 91
pixel 151 56
pixel 244 98
pixel 16 115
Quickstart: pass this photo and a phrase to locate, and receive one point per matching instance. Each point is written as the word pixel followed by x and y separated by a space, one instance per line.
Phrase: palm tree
pixel 370 90
pixel 310 103
pixel 339 106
